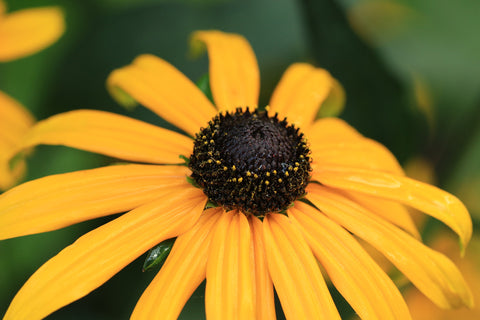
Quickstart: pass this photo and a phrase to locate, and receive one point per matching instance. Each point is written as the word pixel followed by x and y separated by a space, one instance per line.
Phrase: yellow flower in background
pixel 289 191
pixel 25 32
pixel 422 309
pixel 22 33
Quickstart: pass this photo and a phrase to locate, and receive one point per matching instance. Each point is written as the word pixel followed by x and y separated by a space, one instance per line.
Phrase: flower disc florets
pixel 251 162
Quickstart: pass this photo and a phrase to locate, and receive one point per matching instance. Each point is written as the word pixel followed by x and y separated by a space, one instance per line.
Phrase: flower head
pixel 289 192
pixel 22 33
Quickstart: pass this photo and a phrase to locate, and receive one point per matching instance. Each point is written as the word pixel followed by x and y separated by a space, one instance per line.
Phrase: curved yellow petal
pixel 159 86
pixel 300 93
pixel 230 290
pixel 15 121
pixel 426 198
pixel 183 271
pixel 329 130
pixel 111 134
pixel 391 211
pixel 98 255
pixel 234 74
pixel 431 272
pixel 61 200
pixel 370 292
pixel 297 279
pixel 263 283
pixel 25 32
pixel 359 153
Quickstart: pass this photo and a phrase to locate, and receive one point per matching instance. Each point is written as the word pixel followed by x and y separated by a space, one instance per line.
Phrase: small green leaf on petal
pixel 158 254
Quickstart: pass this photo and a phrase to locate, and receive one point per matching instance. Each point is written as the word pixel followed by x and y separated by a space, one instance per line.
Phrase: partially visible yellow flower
pixel 22 33
pixel 291 191
pixel 28 31
pixel 15 121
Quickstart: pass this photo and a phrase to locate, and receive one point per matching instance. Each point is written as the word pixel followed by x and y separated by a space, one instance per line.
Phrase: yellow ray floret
pixel 300 93
pixel 27 31
pixel 431 272
pixel 61 200
pixel 295 273
pixel 230 291
pixel 426 198
pixel 159 86
pixel 234 75
pixel 112 135
pixel 183 271
pixel 367 288
pixel 98 255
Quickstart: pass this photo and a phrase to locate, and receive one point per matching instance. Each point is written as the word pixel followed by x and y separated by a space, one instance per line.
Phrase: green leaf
pixel 335 102
pixel 158 254
pixel 204 85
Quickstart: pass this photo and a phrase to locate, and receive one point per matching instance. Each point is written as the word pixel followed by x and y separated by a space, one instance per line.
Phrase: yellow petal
pixel 15 120
pixel 391 211
pixel 426 198
pixel 358 153
pixel 3 8
pixel 183 271
pixel 111 134
pixel 329 130
pixel 159 86
pixel 234 75
pixel 263 283
pixel 300 93
pixel 25 32
pixel 230 290
pixel 431 272
pixel 61 200
pixel 297 279
pixel 370 292
pixel 98 255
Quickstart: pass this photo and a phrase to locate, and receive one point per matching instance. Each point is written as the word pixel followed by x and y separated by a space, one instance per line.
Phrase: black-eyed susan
pixel 289 191
pixel 22 33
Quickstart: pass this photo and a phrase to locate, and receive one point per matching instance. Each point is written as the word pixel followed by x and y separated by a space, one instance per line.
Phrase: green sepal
pixel 158 254
pixel 204 85
pixel 192 182
pixel 185 159
pixel 210 204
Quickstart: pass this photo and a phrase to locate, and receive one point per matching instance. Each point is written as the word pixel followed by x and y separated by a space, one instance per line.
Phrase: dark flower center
pixel 252 162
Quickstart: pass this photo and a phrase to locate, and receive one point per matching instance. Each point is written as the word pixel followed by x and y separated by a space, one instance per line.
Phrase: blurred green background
pixel 410 69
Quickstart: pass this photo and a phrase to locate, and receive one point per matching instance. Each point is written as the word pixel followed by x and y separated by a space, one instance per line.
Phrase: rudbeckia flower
pixel 289 193
pixel 22 33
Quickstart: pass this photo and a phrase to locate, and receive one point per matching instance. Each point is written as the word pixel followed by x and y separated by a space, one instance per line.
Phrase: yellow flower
pixel 22 33
pixel 248 161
